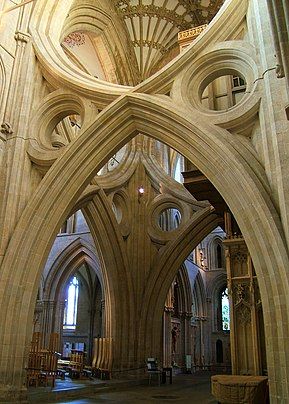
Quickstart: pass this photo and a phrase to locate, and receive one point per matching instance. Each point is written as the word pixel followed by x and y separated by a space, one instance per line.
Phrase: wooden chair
pixel 34 360
pixel 48 368
pixel 153 370
pixel 33 369
pixel 76 363
pixel 42 362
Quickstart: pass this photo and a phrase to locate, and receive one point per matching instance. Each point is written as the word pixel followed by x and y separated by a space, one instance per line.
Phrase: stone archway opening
pixel 48 219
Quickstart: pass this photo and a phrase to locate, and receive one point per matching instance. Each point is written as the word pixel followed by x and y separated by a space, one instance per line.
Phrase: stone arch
pixel 57 68
pixel 199 297
pixel 203 144
pixel 71 258
pixel 96 19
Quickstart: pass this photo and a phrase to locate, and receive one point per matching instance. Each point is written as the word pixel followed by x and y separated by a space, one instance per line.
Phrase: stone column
pixel 167 336
pixel 15 127
pixel 245 306
pixel 185 336
pixel 92 312
pixel 58 322
pixel 47 320
pixel 103 320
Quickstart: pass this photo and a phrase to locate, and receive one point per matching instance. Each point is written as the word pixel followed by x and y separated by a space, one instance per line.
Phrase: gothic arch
pixel 199 297
pixel 71 258
pixel 201 143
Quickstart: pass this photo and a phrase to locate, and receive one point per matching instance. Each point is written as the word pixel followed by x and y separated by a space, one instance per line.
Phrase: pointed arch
pixel 199 297
pixel 76 254
pixel 202 143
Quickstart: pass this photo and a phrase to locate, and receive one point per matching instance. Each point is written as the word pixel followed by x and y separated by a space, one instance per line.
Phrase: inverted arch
pixel 208 147
pixel 103 227
pixel 59 71
pixel 178 250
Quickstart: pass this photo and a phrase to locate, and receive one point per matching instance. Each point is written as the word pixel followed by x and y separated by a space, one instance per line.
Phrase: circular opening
pixel 224 92
pixel 65 130
pixel 169 219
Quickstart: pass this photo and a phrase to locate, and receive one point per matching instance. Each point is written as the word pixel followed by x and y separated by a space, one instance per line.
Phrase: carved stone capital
pixel 169 309
pixel 279 71
pixel 186 315
pixel 22 37
pixel 6 128
pixel 201 318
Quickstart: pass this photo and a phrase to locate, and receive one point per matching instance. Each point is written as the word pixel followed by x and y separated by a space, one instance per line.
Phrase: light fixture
pixel 140 192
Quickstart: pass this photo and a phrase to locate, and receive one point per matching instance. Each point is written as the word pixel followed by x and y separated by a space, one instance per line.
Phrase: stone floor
pixel 191 388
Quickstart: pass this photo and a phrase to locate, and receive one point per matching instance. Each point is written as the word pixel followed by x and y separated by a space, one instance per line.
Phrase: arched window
pixel 70 311
pixel 225 310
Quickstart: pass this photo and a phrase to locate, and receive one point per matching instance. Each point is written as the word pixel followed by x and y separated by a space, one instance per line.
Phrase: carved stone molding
pixel 239 256
pixel 191 33
pixel 244 314
pixel 200 318
pixel 186 315
pixel 241 294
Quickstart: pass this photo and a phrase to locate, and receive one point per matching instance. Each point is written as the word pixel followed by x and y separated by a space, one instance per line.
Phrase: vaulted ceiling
pixel 140 36
pixel 153 25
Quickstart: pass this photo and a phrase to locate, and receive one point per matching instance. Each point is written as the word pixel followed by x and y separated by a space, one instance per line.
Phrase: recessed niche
pixel 224 92
pixel 169 219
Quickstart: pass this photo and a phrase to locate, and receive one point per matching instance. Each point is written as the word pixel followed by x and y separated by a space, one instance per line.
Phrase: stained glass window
pixel 70 311
pixel 225 310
